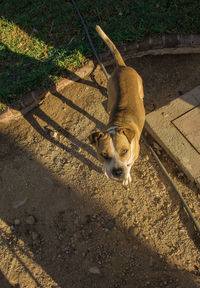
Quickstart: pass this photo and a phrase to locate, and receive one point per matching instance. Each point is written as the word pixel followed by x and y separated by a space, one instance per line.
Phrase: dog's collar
pixel 112 129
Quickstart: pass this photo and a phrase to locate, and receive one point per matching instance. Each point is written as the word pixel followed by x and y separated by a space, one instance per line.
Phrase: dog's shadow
pixel 71 104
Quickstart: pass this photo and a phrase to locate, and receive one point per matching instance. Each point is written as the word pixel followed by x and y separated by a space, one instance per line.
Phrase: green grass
pixel 41 41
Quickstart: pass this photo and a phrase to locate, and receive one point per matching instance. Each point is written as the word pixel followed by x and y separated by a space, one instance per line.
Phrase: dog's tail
pixel 118 58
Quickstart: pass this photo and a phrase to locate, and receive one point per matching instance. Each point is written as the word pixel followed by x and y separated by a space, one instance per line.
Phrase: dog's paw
pixel 127 181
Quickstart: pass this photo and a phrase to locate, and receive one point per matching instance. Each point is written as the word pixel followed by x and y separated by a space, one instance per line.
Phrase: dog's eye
pixel 123 152
pixel 105 156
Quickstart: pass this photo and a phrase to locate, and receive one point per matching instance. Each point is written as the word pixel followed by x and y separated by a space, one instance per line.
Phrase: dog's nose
pixel 117 172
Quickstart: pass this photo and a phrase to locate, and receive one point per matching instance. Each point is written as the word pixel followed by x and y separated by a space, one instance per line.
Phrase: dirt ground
pixel 64 224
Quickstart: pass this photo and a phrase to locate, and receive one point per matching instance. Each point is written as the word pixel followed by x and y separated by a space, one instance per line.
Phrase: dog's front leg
pixel 127 180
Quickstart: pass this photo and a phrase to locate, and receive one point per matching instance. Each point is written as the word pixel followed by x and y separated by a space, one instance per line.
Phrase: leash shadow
pixel 72 149
pixel 71 104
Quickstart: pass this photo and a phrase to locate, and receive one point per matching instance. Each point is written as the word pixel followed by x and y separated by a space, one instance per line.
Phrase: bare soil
pixel 64 224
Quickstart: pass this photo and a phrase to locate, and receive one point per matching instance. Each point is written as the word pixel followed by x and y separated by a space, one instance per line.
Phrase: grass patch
pixel 41 41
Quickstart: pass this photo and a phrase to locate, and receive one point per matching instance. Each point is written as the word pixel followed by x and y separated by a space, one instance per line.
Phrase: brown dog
pixel 118 147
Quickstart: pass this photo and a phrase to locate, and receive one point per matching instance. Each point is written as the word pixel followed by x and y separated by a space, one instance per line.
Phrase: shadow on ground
pixel 71 235
pixel 87 231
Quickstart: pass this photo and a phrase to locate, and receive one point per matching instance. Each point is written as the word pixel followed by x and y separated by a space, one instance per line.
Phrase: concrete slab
pixel 176 127
pixel 187 121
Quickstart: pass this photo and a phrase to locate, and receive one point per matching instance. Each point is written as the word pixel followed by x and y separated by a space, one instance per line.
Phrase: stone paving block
pixel 189 125
pixel 176 127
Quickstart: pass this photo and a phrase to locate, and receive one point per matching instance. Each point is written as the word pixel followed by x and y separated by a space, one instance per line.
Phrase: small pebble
pixel 79 149
pixel 35 30
pixel 134 231
pixel 34 235
pixel 156 146
pixel 30 220
pixel 150 107
pixel 94 270
pixel 53 134
pixel 180 175
pixel 111 224
pixel 17 221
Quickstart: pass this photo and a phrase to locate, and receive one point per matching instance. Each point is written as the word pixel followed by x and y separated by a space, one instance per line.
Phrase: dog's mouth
pixel 124 178
pixel 116 174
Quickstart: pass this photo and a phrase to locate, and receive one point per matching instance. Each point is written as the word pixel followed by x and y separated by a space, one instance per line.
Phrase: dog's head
pixel 116 150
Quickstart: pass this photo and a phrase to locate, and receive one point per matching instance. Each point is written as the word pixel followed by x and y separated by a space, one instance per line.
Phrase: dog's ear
pixel 94 137
pixel 129 133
